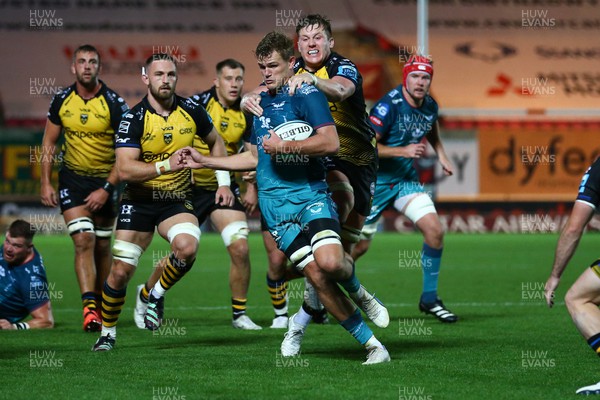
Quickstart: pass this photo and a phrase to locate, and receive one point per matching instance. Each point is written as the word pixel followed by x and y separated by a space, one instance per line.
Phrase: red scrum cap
pixel 417 64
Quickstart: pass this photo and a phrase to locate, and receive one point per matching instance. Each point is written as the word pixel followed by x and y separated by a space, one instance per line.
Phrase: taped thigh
pixel 127 252
pixel 183 227
pixel 235 231
pixel 420 206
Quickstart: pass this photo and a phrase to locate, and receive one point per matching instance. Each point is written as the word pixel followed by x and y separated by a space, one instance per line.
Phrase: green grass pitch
pixel 507 344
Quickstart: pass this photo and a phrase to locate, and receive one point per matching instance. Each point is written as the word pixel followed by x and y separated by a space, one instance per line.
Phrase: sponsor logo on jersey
pixel 83 118
pixel 168 138
pixel 347 71
pixel 375 120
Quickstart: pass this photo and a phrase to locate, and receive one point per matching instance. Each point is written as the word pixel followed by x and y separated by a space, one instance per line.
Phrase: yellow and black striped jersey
pixel 89 127
pixel 158 138
pixel 357 138
pixel 233 126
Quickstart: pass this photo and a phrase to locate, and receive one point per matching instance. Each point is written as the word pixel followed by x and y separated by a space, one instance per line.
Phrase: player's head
pixel 229 81
pixel 86 65
pixel 416 76
pixel 314 40
pixel 18 244
pixel 275 56
pixel 160 75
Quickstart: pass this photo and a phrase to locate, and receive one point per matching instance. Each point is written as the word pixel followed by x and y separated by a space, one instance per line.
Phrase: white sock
pixel 158 291
pixel 373 342
pixel 112 331
pixel 302 318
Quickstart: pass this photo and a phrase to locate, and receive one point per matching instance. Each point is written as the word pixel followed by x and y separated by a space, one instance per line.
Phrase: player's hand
pixel 550 288
pixel 272 143
pixel 96 200
pixel 188 157
pixel 250 198
pixel 249 177
pixel 4 324
pixel 447 167
pixel 250 103
pixel 224 196
pixel 415 150
pixel 48 196
pixel 297 80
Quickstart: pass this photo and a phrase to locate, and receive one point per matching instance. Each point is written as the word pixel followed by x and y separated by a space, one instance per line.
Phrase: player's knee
pixel 238 251
pixel 277 260
pixel 125 252
pixel 330 262
pixel 235 232
pixel 184 239
pixel 434 236
pixel 361 248
pixel 572 300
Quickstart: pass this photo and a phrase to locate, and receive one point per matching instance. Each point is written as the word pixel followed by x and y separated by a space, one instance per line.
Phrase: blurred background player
pixel 294 199
pixel 23 283
pixel 225 210
pixel 401 119
pixel 583 298
pixel 352 171
pixel 88 112
pixel 158 194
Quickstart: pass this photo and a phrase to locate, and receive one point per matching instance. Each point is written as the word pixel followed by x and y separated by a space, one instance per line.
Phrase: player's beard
pixel 88 82
pixel 162 95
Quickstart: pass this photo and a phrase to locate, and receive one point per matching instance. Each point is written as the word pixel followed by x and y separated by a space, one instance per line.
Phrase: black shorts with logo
pixel 362 179
pixel 145 216
pixel 74 188
pixel 204 202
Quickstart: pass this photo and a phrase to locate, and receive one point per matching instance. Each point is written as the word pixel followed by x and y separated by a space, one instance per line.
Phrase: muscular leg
pixel 582 301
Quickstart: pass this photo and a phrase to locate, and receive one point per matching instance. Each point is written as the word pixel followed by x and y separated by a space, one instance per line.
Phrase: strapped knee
pixel 350 233
pixel 104 232
pixel 369 230
pixel 324 237
pixel 235 231
pixel 420 206
pixel 127 252
pixel 302 257
pixel 341 187
pixel 81 225
pixel 183 227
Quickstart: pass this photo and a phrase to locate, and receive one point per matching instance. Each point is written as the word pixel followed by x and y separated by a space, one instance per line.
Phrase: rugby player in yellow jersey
pixel 222 102
pixel 352 171
pixel 88 113
pixel 158 192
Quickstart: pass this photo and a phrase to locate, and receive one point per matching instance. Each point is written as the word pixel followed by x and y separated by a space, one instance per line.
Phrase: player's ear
pixel 331 42
pixel 292 62
pixel 73 68
pixel 145 76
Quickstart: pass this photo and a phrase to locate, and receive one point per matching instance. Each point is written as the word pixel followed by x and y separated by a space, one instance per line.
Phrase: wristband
pixel 162 167
pixel 223 178
pixel 314 79
pixel 21 325
pixel 109 187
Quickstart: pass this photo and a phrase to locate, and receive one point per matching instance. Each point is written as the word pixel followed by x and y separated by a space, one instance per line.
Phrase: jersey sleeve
pixel 312 106
pixel 118 108
pixel 346 69
pixel 55 104
pixel 131 129
pixel 382 116
pixel 34 289
pixel 248 131
pixel 202 119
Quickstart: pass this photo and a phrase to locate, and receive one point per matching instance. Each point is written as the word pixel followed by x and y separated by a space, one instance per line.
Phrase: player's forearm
pixel 389 151
pixel 333 91
pixel 47 157
pixel 567 244
pixel 315 146
pixel 237 162
pixel 136 171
